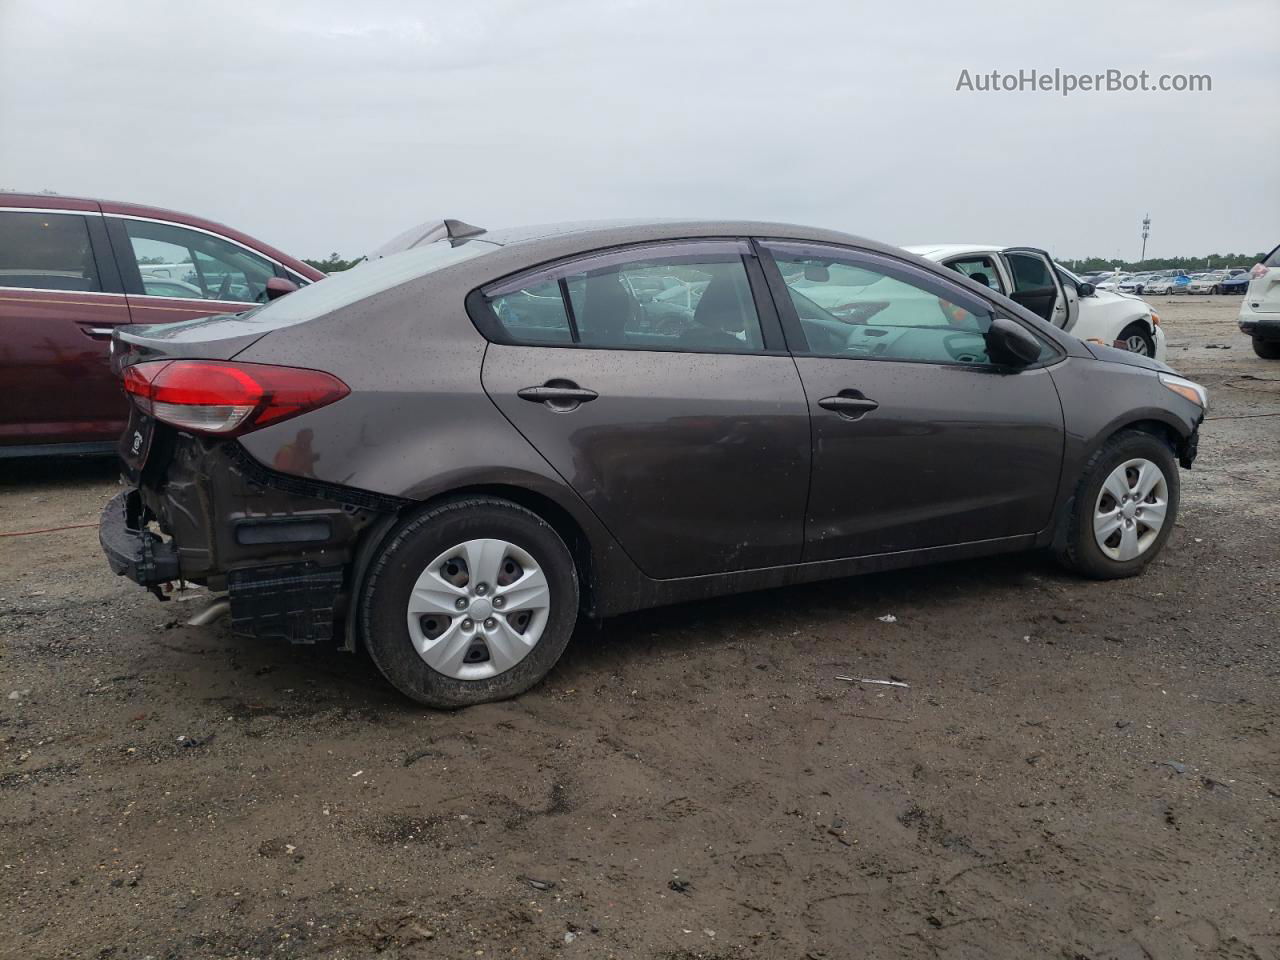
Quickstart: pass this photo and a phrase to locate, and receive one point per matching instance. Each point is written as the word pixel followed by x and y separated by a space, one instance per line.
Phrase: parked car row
pixel 1233 280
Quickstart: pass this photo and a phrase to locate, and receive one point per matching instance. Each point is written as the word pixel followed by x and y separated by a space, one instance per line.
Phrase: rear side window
pixel 981 270
pixel 694 297
pixel 47 251
pixel 1274 259
pixel 534 314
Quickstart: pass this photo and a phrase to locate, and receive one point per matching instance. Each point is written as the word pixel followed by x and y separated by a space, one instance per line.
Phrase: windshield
pixel 360 282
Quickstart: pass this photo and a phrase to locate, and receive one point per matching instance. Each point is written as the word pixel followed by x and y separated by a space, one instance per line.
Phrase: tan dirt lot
pixel 1078 770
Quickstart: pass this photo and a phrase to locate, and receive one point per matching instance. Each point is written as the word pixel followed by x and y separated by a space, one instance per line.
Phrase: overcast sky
pixel 333 126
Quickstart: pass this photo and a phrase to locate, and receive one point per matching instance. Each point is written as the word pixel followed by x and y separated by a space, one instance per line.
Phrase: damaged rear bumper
pixel 132 549
pixel 280 546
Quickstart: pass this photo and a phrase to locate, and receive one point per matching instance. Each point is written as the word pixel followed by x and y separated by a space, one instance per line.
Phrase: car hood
pixel 1113 355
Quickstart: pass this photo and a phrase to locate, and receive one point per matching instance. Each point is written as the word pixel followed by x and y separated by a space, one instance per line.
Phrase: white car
pixel 1160 285
pixel 1260 312
pixel 1207 282
pixel 1029 277
pixel 1136 283
pixel 1112 282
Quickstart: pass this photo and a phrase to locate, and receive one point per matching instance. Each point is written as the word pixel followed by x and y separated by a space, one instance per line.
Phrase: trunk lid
pixel 219 337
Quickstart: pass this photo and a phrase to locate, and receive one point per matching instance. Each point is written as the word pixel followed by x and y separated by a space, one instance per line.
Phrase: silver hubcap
pixel 1137 344
pixel 478 609
pixel 1131 509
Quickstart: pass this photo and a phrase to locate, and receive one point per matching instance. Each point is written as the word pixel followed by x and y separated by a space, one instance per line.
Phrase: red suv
pixel 71 270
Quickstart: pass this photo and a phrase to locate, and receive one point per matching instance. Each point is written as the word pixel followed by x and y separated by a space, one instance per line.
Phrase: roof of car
pixel 606 232
pixel 939 251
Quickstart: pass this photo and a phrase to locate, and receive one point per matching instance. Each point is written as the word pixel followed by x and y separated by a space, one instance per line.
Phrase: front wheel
pixel 1124 509
pixel 470 602
pixel 1215 291
pixel 1267 349
pixel 1137 339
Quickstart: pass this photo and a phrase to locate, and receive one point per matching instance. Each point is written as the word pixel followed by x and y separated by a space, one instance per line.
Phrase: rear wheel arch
pixel 560 519
pixel 545 508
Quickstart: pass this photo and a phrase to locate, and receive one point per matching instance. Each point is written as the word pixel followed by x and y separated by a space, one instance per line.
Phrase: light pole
pixel 1146 232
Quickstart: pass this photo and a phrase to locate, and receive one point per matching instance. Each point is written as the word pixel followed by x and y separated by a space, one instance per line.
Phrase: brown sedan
pixel 452 453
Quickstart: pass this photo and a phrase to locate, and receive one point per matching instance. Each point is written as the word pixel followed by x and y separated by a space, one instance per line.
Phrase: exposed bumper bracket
pixel 132 550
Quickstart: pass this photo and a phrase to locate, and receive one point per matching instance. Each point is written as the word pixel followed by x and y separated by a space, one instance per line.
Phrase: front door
pixel 918 440
pixel 1036 284
pixel 649 379
pixel 178 273
pixel 60 298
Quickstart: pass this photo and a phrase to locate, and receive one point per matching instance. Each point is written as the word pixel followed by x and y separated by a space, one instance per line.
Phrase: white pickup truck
pixel 1029 276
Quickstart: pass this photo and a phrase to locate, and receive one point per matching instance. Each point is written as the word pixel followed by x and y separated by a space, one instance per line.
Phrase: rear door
pixel 918 440
pixel 60 300
pixel 657 384
pixel 1036 284
pixel 174 272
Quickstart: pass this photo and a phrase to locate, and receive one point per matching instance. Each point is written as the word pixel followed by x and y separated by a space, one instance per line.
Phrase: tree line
pixel 1214 261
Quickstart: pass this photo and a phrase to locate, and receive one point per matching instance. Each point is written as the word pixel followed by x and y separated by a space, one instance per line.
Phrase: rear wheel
pixel 1267 349
pixel 1137 339
pixel 473 601
pixel 1124 509
pixel 1215 290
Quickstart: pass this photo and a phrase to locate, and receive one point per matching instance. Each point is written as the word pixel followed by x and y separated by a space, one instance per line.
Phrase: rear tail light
pixel 1259 270
pixel 220 397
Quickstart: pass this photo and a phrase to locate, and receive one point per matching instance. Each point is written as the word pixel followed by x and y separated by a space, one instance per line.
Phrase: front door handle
pixel 849 404
pixel 559 395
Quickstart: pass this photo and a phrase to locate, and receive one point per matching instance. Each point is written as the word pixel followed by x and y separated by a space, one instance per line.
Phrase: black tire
pixel 1267 349
pixel 1214 291
pixel 1080 551
pixel 1139 329
pixel 408 551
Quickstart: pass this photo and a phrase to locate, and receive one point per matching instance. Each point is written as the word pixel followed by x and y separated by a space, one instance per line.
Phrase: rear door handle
pixel 849 407
pixel 559 395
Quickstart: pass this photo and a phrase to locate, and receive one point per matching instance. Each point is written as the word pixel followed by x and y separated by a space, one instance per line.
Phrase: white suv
pixel 1030 277
pixel 1260 312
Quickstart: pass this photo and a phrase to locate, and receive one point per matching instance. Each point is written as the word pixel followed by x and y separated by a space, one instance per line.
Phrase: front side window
pixel 177 262
pixel 847 309
pixel 47 251
pixel 648 299
pixel 1030 273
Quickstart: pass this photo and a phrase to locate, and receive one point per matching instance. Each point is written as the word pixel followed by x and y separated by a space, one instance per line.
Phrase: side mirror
pixel 278 286
pixel 1010 345
pixel 1086 289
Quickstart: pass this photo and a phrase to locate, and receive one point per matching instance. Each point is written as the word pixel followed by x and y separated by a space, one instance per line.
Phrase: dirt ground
pixel 1077 770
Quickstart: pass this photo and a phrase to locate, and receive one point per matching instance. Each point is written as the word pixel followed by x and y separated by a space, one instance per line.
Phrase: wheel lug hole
pixel 461 603
pixel 490 623
pixel 468 624
pixel 481 589
pixel 499 603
